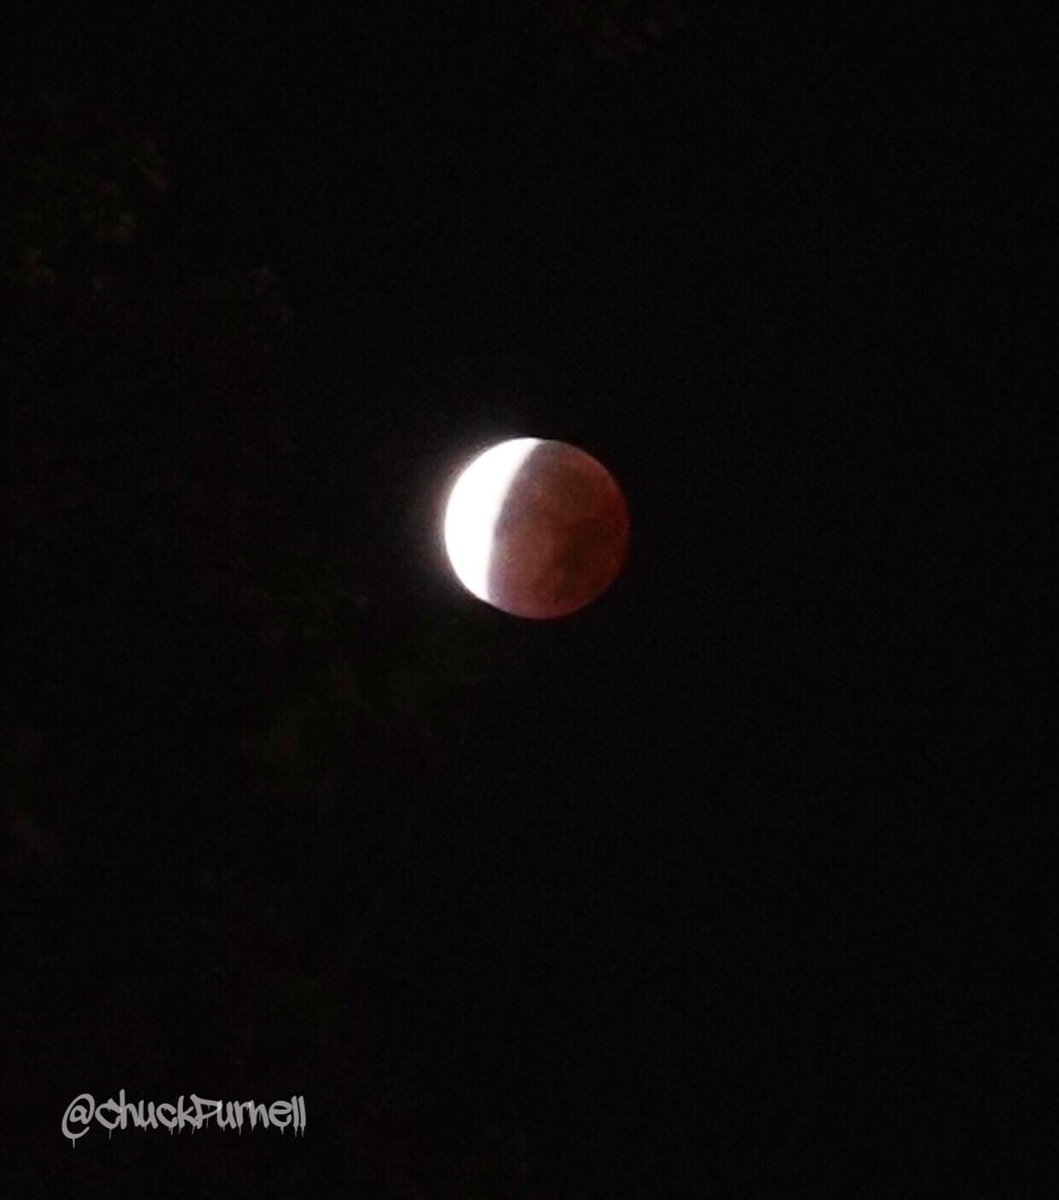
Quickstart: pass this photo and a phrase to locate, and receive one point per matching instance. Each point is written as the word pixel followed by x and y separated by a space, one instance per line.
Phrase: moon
pixel 536 528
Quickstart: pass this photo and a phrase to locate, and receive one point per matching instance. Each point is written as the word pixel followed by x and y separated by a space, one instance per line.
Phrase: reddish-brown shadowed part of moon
pixel 562 534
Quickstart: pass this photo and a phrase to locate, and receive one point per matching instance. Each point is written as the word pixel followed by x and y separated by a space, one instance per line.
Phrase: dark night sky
pixel 705 896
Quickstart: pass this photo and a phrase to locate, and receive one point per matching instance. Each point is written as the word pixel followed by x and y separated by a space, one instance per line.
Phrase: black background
pixel 711 886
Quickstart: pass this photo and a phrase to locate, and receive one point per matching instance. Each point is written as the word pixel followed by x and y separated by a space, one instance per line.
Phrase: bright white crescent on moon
pixel 474 509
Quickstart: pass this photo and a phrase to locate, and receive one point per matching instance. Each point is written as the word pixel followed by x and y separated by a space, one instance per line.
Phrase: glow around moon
pixel 536 528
